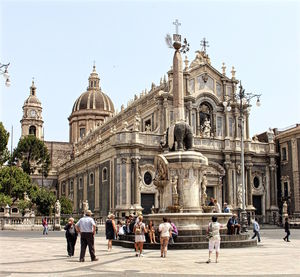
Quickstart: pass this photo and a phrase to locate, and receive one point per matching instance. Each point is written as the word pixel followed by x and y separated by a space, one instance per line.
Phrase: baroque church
pixel 109 159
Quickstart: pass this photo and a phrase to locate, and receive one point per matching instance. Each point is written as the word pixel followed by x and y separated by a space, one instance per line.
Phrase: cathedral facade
pixel 109 160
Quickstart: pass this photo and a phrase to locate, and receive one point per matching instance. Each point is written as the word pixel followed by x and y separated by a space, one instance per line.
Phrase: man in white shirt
pixel 86 227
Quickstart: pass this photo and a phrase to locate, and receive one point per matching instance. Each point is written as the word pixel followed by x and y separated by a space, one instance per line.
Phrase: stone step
pixel 190 245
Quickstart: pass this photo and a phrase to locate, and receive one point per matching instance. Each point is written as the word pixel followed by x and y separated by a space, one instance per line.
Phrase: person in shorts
pixel 215 239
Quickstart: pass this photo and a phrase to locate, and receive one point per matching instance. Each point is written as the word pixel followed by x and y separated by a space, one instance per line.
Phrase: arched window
pixel 80 183
pixel 91 179
pixel 32 130
pixel 256 182
pixel 104 174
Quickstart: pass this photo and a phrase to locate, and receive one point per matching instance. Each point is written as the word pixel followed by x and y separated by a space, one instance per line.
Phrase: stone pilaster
pixel 137 193
pixel 165 111
pixel 197 122
pixel 296 178
pixel 97 188
pixel 75 204
pixel 249 186
pixel 228 188
pixel 85 184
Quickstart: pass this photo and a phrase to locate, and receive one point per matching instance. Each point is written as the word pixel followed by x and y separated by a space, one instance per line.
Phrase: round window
pixel 147 178
pixel 256 182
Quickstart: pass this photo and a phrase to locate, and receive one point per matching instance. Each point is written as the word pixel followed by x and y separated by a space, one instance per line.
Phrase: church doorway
pixel 257 204
pixel 147 201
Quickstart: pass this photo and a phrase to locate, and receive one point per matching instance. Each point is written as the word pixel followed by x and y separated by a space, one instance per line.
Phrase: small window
pixel 104 174
pixel 80 183
pixel 148 125
pixel 14 210
pixel 231 126
pixel 219 126
pixel 71 186
pixel 256 182
pixel 1 210
pixel 63 188
pixel 32 130
pixel 192 86
pixel 82 132
pixel 91 179
pixel 229 91
pixel 286 189
pixel 283 153
pixel 219 90
pixel 147 178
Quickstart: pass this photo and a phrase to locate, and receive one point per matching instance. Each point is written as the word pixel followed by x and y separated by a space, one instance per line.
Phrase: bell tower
pixel 32 121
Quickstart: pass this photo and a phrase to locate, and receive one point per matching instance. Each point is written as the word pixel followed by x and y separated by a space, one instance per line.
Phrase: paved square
pixel 32 254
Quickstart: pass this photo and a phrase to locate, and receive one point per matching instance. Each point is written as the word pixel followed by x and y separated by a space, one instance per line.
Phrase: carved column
pixel 226 124
pixel 197 122
pixel 236 120
pixel 273 191
pixel 137 193
pixel 247 126
pixel 249 185
pixel 165 111
pixel 228 188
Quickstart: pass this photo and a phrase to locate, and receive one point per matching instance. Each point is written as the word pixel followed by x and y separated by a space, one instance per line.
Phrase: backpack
pixel 138 229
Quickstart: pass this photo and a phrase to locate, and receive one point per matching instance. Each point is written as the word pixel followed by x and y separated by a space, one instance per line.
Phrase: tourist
pixel 226 208
pixel 287 230
pixel 71 236
pixel 110 230
pixel 211 203
pixel 233 225
pixel 86 227
pixel 151 231
pixel 165 230
pixel 256 230
pixel 139 236
pixel 217 207
pixel 45 225
pixel 214 238
pixel 174 233
pixel 120 229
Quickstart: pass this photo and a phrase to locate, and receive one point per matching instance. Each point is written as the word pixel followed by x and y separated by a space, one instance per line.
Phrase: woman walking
pixel 287 230
pixel 139 236
pixel 165 230
pixel 110 231
pixel 71 236
pixel 214 238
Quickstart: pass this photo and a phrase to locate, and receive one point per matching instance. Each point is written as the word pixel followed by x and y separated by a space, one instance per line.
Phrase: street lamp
pixel 4 72
pixel 243 99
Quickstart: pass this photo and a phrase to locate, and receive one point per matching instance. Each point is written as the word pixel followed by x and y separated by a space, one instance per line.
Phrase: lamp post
pixel 243 100
pixel 4 72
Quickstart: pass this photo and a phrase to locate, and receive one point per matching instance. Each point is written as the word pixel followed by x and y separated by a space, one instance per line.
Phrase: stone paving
pixel 32 254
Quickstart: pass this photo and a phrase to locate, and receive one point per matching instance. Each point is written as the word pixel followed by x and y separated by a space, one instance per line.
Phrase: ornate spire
pixel 94 79
pixel 32 88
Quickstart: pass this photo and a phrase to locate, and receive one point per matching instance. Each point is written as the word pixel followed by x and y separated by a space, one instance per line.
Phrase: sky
pixel 57 42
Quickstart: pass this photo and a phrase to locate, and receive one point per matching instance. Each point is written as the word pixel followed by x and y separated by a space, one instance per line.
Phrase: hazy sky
pixel 56 42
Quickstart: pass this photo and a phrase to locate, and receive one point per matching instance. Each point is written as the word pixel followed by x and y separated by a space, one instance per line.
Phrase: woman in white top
pixel 165 230
pixel 139 232
pixel 215 239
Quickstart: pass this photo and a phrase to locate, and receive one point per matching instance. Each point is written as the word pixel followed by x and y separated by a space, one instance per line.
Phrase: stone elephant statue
pixel 181 133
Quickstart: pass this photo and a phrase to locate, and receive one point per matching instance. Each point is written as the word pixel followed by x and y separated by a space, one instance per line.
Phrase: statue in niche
pixel 206 128
pixel 137 122
pixel 240 196
pixel 85 206
pixel 174 184
pixel 203 190
pixel 26 198
pixel 148 128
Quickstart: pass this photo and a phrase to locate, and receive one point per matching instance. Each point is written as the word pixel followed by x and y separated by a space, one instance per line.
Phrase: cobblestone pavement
pixel 32 254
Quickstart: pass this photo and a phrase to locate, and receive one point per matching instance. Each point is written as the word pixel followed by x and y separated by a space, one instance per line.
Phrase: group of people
pixel 142 232
pixel 217 207
pixel 167 231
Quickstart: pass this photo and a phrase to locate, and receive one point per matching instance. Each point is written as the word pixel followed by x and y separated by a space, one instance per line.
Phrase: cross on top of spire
pixel 204 44
pixel 176 23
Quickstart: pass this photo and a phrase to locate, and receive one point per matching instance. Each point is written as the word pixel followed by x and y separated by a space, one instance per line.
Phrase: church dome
pixel 90 110
pixel 94 99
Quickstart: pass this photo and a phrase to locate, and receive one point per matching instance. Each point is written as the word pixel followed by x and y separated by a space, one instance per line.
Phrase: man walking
pixel 86 227
pixel 287 230
pixel 256 230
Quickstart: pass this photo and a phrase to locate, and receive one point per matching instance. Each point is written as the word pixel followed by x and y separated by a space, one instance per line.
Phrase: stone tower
pixel 32 121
